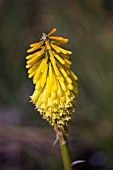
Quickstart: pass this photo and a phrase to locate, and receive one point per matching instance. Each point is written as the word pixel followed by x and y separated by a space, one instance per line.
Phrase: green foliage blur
pixel 25 139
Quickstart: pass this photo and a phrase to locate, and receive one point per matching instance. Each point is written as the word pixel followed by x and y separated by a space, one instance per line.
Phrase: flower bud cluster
pixel 55 84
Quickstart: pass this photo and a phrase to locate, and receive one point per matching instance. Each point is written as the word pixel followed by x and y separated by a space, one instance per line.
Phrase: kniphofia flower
pixel 55 84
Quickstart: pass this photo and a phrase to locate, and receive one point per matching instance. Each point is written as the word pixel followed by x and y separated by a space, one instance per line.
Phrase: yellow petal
pixel 67 65
pixel 52 32
pixel 31 64
pixel 56 70
pixel 63 98
pixel 48 85
pixel 44 65
pixel 52 57
pixel 62 70
pixel 73 75
pixel 44 76
pixel 67 92
pixel 36 44
pixel 47 44
pixel 36 95
pixel 75 90
pixel 59 91
pixel 63 85
pixel 69 80
pixel 37 86
pixel 57 101
pixel 55 48
pixel 53 93
pixel 31 56
pixel 32 74
pixel 50 101
pixel 34 67
pixel 38 54
pixel 44 98
pixel 35 47
pixel 59 58
pixel 37 75
pixel 70 86
pixel 68 61
pixel 64 51
pixel 64 56
pixel 60 78
pixel 39 101
pixel 55 82
pixel 51 73
pixel 55 38
pixel 63 41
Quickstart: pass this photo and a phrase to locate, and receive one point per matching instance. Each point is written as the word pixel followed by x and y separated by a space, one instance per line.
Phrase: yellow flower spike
pixel 52 32
pixel 55 84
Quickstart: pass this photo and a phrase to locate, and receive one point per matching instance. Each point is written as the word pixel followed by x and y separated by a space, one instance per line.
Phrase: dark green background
pixel 25 139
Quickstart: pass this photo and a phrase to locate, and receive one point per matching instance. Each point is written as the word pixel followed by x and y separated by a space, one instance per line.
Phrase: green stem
pixel 65 154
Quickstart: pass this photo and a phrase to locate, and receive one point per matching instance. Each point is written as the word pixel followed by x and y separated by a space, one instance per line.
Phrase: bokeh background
pixel 25 139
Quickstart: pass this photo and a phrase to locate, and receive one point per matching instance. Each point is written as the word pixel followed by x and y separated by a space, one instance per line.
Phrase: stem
pixel 65 153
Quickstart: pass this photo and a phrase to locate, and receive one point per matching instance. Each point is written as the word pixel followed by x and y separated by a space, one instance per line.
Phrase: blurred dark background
pixel 25 139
